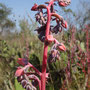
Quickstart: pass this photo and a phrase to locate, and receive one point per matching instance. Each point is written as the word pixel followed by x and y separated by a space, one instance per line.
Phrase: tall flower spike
pixel 25 76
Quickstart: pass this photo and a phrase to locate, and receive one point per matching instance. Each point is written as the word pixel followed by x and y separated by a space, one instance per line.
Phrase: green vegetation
pixel 18 86
pixel 16 44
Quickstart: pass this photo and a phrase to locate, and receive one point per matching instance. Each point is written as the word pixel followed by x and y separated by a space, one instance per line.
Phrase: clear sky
pixel 20 7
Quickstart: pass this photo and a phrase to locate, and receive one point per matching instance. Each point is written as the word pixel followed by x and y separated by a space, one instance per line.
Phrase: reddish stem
pixel 44 63
pixel 37 71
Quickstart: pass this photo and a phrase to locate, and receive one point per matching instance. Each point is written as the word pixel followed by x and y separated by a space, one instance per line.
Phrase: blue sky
pixel 20 7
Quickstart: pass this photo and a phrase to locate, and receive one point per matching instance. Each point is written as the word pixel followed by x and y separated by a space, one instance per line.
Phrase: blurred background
pixel 17 37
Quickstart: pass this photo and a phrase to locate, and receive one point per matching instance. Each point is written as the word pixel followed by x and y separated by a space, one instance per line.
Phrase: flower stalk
pixel 45 36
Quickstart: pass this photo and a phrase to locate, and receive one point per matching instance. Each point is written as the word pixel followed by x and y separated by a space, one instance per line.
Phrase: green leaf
pixel 82 46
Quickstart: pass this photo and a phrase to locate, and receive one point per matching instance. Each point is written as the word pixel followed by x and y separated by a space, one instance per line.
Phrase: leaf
pixel 5 49
pixel 82 46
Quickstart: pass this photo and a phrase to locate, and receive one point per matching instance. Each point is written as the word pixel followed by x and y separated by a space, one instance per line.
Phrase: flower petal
pixel 19 72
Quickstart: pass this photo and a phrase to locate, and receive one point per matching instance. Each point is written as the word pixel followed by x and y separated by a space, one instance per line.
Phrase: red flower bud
pixel 22 61
pixel 62 47
pixel 34 8
pixel 64 24
pixel 62 4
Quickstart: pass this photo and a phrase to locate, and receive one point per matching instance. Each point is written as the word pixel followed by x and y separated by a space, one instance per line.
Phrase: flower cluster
pixel 26 83
pixel 24 75
pixel 41 18
pixel 27 75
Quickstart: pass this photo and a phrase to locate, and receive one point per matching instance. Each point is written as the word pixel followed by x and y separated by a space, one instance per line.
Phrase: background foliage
pixel 15 44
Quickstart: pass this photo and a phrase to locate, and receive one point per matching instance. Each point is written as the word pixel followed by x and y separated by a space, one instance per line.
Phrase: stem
pixel 37 71
pixel 44 63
